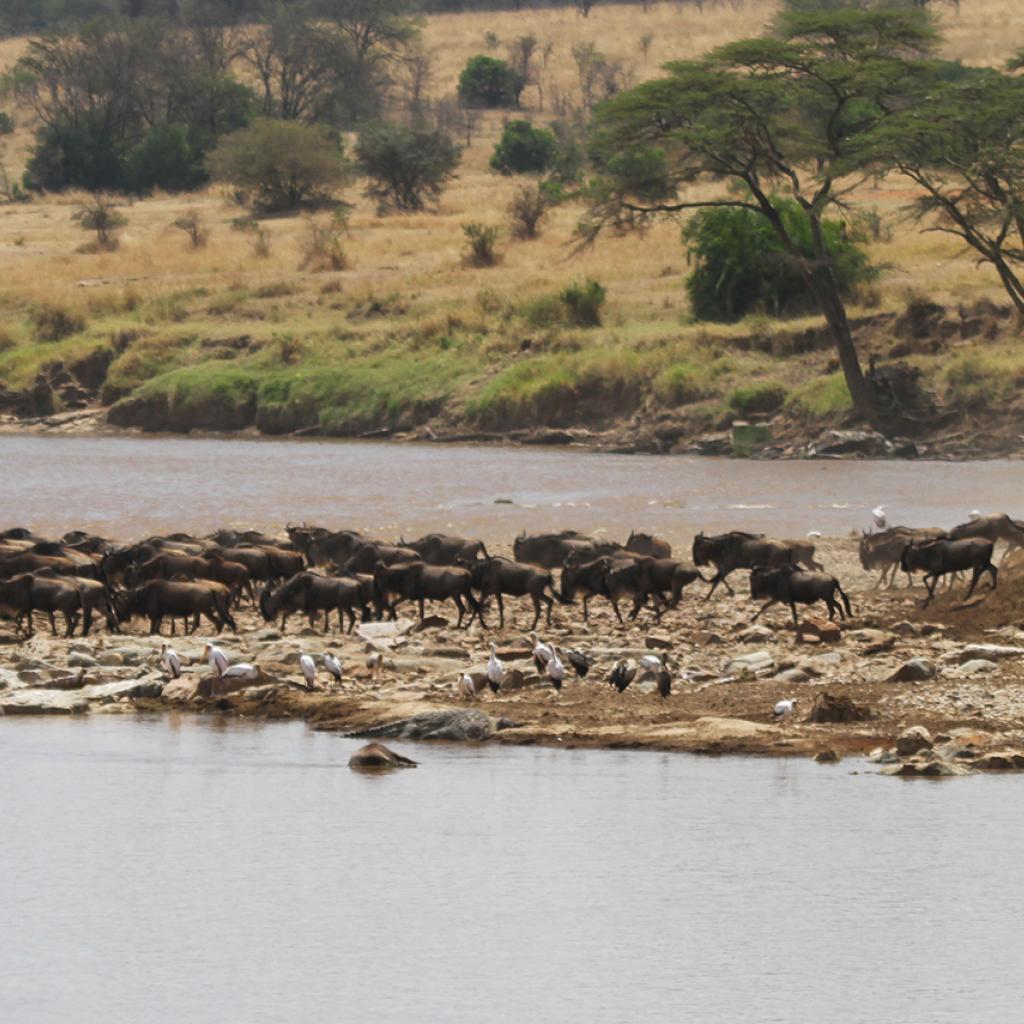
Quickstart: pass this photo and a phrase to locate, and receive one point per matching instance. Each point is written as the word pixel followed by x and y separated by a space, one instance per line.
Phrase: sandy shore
pixel 729 675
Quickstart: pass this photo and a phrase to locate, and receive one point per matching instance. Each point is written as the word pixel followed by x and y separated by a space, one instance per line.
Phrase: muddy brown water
pixel 182 869
pixel 124 487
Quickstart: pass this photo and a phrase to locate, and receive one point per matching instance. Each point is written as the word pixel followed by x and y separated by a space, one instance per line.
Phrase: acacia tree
pixel 962 144
pixel 786 115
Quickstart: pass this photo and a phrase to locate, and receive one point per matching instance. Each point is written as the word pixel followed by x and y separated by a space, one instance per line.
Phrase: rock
pixel 376 757
pixel 990 652
pixel 712 444
pixel 43 702
pixel 977 667
pixel 756 634
pixel 822 629
pixel 915 670
pixel 793 675
pixel 445 652
pixel 431 622
pixel 384 634
pixel 870 637
pixel 999 761
pixel 925 769
pixel 755 664
pixel 132 689
pixel 907 629
pixel 32 677
pixel 830 709
pixel 657 643
pixel 10 680
pixel 834 443
pixel 826 757
pixel 913 740
pixel 71 682
pixel 110 659
pixel 79 660
pixel 181 689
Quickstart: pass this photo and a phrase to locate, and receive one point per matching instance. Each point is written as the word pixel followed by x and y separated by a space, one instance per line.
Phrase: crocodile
pixel 451 724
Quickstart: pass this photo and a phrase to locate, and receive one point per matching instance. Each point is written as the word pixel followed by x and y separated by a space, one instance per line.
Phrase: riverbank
pixel 955 670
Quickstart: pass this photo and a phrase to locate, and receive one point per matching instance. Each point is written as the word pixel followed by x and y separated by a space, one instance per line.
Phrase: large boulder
pixel 829 709
pixel 756 664
pixel 916 670
pixel 43 702
pixel 913 740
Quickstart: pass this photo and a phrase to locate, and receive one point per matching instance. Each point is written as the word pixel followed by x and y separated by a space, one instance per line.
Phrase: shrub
pixel 100 215
pixel 281 165
pixel 406 167
pixel 524 149
pixel 489 82
pixel 583 303
pixel 762 397
pixel 164 159
pixel 681 384
pixel 979 382
pixel 6 123
pixel 54 323
pixel 481 240
pixel 191 222
pixel 529 206
pixel 739 265
pixel 75 155
pixel 324 248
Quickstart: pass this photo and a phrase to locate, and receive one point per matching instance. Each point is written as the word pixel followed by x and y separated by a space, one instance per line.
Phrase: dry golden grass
pixel 418 256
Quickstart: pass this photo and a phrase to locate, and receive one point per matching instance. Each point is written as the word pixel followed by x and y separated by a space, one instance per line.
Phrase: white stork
pixel 495 671
pixel 333 666
pixel 215 656
pixel 308 667
pixel 170 661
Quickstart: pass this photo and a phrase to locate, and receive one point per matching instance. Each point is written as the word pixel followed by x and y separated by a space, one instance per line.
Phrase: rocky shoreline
pixel 931 693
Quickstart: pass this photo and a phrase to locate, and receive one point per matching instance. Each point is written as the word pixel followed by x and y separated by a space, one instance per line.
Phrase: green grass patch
pixel 983 380
pixel 759 397
pixel 822 397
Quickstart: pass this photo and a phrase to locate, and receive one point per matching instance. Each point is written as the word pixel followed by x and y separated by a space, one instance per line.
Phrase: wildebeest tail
pixel 483 551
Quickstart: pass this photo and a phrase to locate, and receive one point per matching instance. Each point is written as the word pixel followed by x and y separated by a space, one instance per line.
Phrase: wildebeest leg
pixel 86 621
pixel 975 576
pixel 929 582
pixel 327 620
pixel 501 611
pixel 586 613
pixel 218 625
pixel 637 605
pixel 70 621
pixel 53 623
pixel 615 605
pixel 657 602
pixel 796 621
pixel 195 621
pixel 154 623
pixel 764 608
pixel 422 602
pixel 351 620
pixel 993 572
pixel 536 610
pixel 551 604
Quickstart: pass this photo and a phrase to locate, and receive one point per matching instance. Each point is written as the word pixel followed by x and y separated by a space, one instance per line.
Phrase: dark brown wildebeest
pixel 549 550
pixel 417 581
pixel 501 577
pixel 670 577
pixel 310 593
pixel 177 599
pixel 234 575
pixel 94 598
pixel 738 550
pixel 584 580
pixel 938 557
pixel 266 564
pixel 29 561
pixel 88 543
pixel 995 528
pixel 444 549
pixel 26 593
pixel 635 580
pixel 791 585
pixel 885 549
pixel 366 557
pixel 646 544
pixel 227 538
pixel 337 548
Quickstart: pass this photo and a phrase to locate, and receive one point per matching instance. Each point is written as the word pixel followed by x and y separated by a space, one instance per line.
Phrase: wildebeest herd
pixel 319 573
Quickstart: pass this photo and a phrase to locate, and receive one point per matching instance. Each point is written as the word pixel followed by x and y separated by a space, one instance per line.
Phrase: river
pixel 185 869
pixel 127 486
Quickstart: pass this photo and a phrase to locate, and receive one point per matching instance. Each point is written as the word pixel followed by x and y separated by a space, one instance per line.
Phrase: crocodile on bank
pixel 451 724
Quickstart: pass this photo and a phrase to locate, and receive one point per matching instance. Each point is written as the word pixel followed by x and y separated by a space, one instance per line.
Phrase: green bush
pixel 406 167
pixel 6 123
pixel 739 266
pixel 762 397
pixel 681 384
pixel 54 323
pixel 977 382
pixel 481 240
pixel 489 82
pixel 281 165
pixel 164 159
pixel 75 155
pixel 524 149
pixel 583 303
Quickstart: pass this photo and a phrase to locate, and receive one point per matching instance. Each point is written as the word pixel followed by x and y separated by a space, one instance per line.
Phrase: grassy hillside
pixel 220 338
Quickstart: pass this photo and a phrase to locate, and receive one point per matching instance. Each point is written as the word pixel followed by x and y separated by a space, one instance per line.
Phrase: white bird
pixel 241 670
pixel 650 665
pixel 215 656
pixel 495 671
pixel 333 666
pixel 541 652
pixel 465 686
pixel 784 709
pixel 555 669
pixel 973 515
pixel 813 534
pixel 878 514
pixel 170 661
pixel 308 667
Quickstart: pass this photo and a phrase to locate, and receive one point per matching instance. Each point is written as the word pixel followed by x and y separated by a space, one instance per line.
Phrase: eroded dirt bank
pixel 893 667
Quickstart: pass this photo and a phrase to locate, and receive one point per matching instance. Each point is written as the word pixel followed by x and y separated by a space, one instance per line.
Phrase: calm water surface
pixel 185 871
pixel 130 486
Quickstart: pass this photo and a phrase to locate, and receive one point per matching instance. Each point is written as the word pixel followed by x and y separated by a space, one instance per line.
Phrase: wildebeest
pixel 367 555
pixel 26 593
pixel 791 585
pixel 738 550
pixel 310 593
pixel 234 575
pixel 938 557
pixel 636 580
pixel 502 577
pixel 30 561
pixel 177 599
pixel 646 544
pixel 884 549
pixel 584 580
pixel 444 549
pixel 417 581
pixel 93 598
pixel 994 528
pixel 549 550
